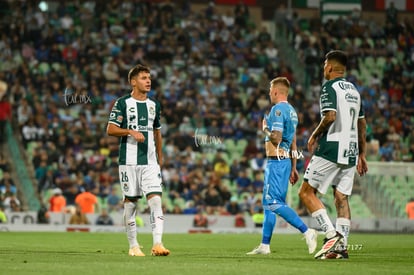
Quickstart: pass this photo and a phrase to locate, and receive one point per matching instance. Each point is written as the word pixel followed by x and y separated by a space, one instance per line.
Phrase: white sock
pixel 306 233
pixel 156 218
pixel 265 245
pixel 324 222
pixel 130 209
pixel 342 226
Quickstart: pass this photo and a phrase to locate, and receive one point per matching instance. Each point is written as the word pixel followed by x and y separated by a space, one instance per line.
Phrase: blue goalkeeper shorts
pixel 276 182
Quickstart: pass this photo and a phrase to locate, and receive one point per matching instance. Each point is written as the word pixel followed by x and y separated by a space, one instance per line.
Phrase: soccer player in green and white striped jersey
pixel 135 118
pixel 339 144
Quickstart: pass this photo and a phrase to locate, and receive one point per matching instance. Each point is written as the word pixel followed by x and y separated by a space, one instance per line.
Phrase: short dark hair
pixel 337 55
pixel 136 70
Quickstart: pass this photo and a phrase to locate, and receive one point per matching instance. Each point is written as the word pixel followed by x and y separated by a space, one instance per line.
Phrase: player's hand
pixel 362 166
pixel 138 136
pixel 294 176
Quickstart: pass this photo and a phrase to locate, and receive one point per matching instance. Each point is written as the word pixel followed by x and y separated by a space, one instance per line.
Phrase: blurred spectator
pixel 190 208
pixel 221 168
pixel 213 201
pixel 43 215
pixel 3 217
pixel 251 150
pixel 78 217
pixel 258 218
pixel 233 206
pixel 258 162
pixel 391 14
pixel 4 163
pixel 409 209
pixel 87 201
pixel 11 203
pixel 176 209
pixel 114 201
pixel 7 185
pixel 243 183
pixel 57 202
pixel 200 220
pixel 239 220
pixel 104 218
pixel 258 182
pixel 5 111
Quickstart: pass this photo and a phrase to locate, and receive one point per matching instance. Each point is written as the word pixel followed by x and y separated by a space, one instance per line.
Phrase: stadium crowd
pixel 210 71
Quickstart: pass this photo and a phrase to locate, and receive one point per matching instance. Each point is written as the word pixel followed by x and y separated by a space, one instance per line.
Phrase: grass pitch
pixel 107 253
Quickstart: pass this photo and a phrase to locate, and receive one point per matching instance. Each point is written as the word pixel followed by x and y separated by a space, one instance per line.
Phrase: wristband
pixel 267 132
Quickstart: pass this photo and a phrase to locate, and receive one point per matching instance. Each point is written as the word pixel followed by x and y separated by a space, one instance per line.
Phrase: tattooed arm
pixel 326 121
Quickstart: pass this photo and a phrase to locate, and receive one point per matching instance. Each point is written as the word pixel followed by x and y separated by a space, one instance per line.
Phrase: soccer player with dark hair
pixel 338 143
pixel 135 118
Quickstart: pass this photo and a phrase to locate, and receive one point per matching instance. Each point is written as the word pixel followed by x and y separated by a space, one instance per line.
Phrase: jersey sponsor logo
pixel 131 109
pixel 132 118
pixel 152 111
pixel 351 98
pixel 144 128
pixel 316 173
pixel 346 86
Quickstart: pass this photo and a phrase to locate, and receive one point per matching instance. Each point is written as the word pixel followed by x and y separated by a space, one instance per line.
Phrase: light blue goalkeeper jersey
pixel 283 118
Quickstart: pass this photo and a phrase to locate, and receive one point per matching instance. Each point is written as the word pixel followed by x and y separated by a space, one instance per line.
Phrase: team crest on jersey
pixel 278 112
pixel 126 188
pixel 152 111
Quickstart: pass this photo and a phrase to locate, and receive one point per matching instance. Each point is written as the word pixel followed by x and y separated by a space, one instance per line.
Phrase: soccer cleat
pixel 136 251
pixel 336 254
pixel 159 250
pixel 311 240
pixel 330 245
pixel 261 249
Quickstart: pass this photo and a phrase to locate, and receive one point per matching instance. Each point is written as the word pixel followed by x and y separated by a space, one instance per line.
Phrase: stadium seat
pixel 230 145
pixel 369 63
pixel 381 62
pixel 241 145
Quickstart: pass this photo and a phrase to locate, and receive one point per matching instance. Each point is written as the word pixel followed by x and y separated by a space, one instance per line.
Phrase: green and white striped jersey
pixel 142 116
pixel 340 143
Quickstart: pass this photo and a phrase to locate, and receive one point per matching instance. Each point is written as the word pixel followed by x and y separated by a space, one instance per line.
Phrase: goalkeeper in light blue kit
pixel 280 144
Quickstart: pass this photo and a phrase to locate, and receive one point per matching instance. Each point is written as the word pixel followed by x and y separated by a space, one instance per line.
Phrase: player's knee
pixel 155 202
pixel 302 193
pixel 305 191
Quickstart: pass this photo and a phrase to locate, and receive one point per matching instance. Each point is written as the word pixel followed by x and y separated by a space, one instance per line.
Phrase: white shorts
pixel 139 180
pixel 322 173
